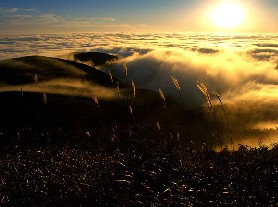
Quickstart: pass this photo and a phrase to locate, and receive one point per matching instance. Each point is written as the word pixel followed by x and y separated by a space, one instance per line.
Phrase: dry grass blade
pixel 158 126
pixel 205 91
pixel 35 77
pixel 162 97
pixel 45 98
pixel 125 72
pixel 96 101
pixel 178 137
pixel 111 77
pixel 125 68
pixel 133 88
pixel 130 110
pixel 226 116
pixel 118 88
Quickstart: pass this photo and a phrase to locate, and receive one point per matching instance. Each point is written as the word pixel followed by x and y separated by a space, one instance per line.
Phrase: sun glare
pixel 228 15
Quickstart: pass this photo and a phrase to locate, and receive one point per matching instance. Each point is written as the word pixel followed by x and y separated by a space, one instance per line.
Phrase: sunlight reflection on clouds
pixel 240 67
pixel 117 42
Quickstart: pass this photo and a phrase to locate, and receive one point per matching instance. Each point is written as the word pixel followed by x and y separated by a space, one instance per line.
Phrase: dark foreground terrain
pixel 69 152
pixel 70 149
pixel 136 172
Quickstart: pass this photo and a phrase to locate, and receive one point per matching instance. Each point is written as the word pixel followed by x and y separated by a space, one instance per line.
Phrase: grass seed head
pixel 176 83
pixel 133 88
pixel 205 92
pixel 216 94
pixel 96 101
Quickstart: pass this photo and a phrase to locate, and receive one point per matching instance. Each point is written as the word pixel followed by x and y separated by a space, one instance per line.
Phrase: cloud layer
pixel 241 68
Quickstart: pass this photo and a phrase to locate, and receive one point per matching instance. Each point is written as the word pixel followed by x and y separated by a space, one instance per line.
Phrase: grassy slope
pixel 73 113
pixel 69 152
pixel 22 70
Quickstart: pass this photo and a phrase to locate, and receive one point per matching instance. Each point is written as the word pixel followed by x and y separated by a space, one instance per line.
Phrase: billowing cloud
pixel 224 72
pixel 241 68
pixel 248 88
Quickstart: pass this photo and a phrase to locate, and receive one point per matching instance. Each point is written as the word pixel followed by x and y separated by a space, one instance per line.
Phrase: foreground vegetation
pixel 138 149
pixel 137 172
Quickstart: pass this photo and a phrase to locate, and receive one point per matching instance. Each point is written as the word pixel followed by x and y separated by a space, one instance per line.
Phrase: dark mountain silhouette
pixel 70 105
pixel 95 58
pixel 22 70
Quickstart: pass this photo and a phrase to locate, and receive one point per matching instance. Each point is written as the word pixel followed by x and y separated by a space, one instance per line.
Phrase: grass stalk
pixel 177 86
pixel 205 92
pixel 226 116
pixel 164 106
pixel 126 79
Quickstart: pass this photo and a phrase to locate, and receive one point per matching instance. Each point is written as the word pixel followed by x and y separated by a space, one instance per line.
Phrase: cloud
pixel 224 71
pixel 8 10
pixel 43 19
pixel 22 20
pixel 266 45
pixel 152 62
pixel 264 54
pixel 248 88
pixel 241 68
pixel 205 50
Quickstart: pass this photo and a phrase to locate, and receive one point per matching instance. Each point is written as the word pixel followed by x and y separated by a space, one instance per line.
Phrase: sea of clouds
pixel 242 68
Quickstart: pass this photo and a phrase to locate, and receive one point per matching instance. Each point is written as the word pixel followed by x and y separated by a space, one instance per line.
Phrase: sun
pixel 228 15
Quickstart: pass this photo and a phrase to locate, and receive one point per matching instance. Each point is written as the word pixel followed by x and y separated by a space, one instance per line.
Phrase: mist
pixel 67 87
pixel 242 68
pixel 247 87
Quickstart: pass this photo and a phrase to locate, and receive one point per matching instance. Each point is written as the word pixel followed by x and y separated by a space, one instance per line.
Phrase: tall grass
pixel 226 116
pixel 126 78
pixel 162 98
pixel 111 77
pixel 130 107
pixel 164 104
pixel 202 87
pixel 133 89
pixel 177 86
